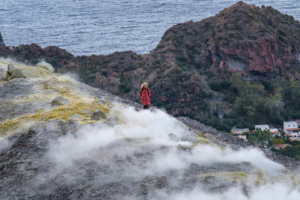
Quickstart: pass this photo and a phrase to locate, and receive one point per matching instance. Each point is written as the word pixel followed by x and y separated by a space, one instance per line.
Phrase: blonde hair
pixel 144 84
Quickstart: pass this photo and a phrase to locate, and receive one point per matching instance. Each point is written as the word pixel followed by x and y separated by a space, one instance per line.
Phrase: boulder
pixel 161 182
pixel 10 68
pixel 45 65
pixel 97 103
pixel 17 73
pixel 58 101
pixel 13 72
pixel 98 115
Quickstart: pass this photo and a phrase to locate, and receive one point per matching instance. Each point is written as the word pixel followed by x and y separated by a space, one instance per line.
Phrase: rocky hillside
pixel 61 139
pixel 190 69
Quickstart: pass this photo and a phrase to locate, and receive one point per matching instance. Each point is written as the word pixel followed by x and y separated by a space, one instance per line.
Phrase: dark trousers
pixel 146 106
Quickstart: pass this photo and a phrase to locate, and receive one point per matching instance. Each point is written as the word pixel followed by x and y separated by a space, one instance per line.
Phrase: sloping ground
pixel 59 152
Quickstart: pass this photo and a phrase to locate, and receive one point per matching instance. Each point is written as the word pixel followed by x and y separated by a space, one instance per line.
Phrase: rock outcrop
pixel 255 61
pixel 98 115
pixel 1 41
pixel 46 66
pixel 13 72
pixel 59 101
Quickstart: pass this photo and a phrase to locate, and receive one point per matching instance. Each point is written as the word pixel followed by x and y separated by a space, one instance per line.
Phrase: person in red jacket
pixel 145 96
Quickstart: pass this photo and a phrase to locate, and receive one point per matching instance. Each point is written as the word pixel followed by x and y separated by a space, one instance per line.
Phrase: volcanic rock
pixel 13 72
pixel 45 65
pixel 161 182
pixel 58 101
pixel 98 115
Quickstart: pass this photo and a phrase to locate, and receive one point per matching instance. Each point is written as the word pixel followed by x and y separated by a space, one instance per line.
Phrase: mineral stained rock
pixel 46 66
pixel 58 101
pixel 13 72
pixel 98 115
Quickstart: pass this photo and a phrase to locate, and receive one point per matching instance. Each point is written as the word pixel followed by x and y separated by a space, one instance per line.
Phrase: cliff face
pixel 255 61
pixel 52 148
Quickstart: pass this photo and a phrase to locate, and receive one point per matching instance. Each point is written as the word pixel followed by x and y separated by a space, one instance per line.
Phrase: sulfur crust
pixel 55 84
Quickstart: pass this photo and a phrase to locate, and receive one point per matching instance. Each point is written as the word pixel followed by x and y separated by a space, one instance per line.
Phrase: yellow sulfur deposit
pixel 46 86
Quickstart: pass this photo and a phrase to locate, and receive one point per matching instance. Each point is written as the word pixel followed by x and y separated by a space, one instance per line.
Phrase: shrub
pixel 127 89
pixel 210 95
pixel 181 58
pixel 282 32
pixel 202 94
pixel 35 61
pixel 159 104
pixel 104 73
pixel 206 40
pixel 238 26
pixel 184 68
pixel 53 62
pixel 281 38
pixel 191 56
pixel 251 16
pixel 225 84
pixel 27 56
pixel 215 85
pixel 198 65
pixel 229 98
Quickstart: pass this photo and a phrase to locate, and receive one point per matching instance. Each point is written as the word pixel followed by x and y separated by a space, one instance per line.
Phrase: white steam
pixel 72 75
pixel 4 144
pixel 156 127
pixel 268 192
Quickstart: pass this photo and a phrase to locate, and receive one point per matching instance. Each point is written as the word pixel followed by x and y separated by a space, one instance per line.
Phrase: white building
pixel 275 131
pixel 244 137
pixel 290 127
pixel 293 134
pixel 262 127
pixel 294 139
pixel 239 131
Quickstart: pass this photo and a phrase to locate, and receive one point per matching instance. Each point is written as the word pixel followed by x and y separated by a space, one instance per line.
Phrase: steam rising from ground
pixel 267 192
pixel 73 76
pixel 156 127
pixel 4 144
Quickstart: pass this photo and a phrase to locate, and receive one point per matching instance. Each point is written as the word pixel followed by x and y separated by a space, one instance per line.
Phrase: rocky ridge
pixel 58 151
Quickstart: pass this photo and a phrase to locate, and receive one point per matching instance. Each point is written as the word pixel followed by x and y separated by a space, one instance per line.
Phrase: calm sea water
pixel 85 27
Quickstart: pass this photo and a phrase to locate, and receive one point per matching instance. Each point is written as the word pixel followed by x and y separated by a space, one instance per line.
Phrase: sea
pixel 101 27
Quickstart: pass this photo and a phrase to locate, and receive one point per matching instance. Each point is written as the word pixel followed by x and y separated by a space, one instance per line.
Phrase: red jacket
pixel 145 96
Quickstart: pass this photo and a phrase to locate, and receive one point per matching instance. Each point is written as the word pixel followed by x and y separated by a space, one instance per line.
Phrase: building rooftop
pixel 280 146
pixel 275 132
pixel 293 129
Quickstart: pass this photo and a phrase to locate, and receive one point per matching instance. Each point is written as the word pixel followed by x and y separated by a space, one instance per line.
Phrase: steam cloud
pixel 4 144
pixel 157 126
